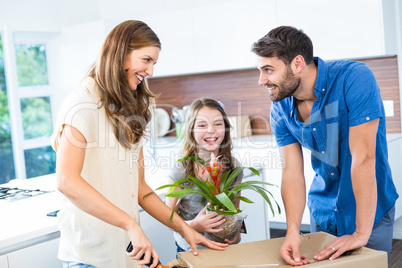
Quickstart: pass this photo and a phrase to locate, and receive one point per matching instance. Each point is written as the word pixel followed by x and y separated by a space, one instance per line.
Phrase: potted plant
pixel 219 192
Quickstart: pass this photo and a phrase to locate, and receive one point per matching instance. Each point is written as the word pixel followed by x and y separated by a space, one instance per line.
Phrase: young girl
pixel 207 130
pixel 100 165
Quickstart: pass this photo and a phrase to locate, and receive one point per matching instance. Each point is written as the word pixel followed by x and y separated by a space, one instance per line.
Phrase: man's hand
pixel 290 250
pixel 342 244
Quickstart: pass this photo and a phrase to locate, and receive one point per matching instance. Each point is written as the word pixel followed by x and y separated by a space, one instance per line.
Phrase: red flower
pixel 214 169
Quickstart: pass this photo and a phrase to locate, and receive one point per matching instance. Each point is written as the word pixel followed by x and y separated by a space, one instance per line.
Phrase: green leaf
pixel 254 171
pixel 233 174
pixel 265 196
pixel 223 180
pixel 245 199
pixel 147 194
pixel 248 183
pixel 193 158
pixel 177 183
pixel 183 192
pixel 231 194
pixel 277 205
pixel 222 212
pixel 211 187
pixel 174 209
pixel 251 185
pixel 224 199
pixel 202 187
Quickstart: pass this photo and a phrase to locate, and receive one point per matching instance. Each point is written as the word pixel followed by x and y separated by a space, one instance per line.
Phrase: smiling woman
pixel 139 64
pixel 100 164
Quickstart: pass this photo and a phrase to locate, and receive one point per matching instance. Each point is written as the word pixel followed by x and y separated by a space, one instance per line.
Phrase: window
pixel 6 149
pixel 26 110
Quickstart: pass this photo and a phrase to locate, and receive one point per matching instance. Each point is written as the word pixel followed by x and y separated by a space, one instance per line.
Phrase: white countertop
pixel 25 219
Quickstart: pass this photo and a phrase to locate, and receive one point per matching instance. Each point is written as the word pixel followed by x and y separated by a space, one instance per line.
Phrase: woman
pixel 100 167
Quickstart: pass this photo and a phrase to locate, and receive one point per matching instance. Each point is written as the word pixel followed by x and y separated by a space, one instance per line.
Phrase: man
pixel 335 110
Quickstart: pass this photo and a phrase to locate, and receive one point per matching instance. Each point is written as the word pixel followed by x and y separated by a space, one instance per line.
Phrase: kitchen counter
pixel 24 222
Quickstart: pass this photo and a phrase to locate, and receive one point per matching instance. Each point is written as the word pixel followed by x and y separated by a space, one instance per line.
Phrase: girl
pixel 207 130
pixel 100 168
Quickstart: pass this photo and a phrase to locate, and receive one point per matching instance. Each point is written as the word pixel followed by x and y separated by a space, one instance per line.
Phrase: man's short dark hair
pixel 285 42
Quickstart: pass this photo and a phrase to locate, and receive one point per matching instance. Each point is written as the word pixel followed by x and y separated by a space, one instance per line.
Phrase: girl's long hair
pixel 128 110
pixel 189 147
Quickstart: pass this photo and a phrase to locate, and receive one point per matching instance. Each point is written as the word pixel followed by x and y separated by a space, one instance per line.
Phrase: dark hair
pixel 285 42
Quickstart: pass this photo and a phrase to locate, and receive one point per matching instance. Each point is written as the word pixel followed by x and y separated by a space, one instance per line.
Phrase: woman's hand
pixel 204 223
pixel 142 247
pixel 194 238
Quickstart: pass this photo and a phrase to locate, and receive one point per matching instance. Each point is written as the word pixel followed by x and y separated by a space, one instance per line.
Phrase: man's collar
pixel 320 87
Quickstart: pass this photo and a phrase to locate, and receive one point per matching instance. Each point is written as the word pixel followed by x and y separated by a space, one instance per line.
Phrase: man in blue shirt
pixel 334 110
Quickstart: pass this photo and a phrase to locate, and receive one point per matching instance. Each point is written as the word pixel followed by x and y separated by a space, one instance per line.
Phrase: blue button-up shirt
pixel 348 95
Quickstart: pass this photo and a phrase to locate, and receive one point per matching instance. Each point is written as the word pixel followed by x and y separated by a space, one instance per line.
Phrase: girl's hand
pixel 142 247
pixel 205 223
pixel 235 240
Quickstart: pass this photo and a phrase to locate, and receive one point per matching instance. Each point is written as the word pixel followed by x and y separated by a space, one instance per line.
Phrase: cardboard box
pixel 241 126
pixel 265 253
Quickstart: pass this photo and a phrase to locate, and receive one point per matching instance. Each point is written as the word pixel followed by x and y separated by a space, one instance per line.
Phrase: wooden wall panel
pixel 239 92
pixel 385 70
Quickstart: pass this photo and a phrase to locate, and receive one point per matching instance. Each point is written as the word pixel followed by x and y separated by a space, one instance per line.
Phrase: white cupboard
pixel 42 255
pixel 3 261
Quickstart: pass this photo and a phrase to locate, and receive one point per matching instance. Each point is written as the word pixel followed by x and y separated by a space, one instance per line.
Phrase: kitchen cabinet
pixel 160 237
pixel 257 221
pixel 42 255
pixel 394 155
pixel 28 237
pixel 3 261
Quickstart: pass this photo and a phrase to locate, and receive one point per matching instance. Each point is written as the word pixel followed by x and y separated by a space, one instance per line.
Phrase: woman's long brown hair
pixel 128 110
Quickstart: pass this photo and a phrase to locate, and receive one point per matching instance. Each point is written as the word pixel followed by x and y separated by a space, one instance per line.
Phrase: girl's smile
pixel 209 130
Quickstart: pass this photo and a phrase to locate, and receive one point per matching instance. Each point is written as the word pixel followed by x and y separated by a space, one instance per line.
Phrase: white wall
pixel 338 28
pixel 47 15
pixel 78 47
pixel 202 36
pixel 212 37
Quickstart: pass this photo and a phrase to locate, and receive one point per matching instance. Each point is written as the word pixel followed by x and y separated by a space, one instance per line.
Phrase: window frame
pixel 15 93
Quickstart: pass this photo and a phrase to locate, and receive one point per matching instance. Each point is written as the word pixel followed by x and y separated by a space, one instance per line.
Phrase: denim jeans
pixel 74 264
pixel 179 249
